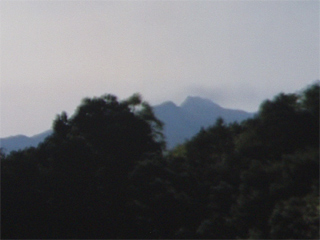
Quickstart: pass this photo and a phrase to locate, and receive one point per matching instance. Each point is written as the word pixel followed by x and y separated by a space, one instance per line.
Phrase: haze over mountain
pixel 180 122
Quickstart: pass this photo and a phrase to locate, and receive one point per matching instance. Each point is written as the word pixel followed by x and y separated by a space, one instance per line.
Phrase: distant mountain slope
pixel 181 122
pixel 20 141
pixel 184 121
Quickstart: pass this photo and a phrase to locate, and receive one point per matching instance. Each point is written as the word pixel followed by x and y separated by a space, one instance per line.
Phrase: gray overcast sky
pixel 237 53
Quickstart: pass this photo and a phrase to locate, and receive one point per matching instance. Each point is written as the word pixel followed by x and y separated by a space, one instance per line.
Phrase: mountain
pixel 20 141
pixel 184 121
pixel 181 122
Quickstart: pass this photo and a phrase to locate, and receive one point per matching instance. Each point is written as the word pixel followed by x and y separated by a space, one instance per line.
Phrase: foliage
pixel 104 173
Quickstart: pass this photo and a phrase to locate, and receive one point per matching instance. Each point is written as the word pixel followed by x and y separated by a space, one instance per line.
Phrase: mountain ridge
pixel 193 114
pixel 180 122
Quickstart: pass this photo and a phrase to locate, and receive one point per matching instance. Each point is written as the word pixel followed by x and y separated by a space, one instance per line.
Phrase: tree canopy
pixel 105 173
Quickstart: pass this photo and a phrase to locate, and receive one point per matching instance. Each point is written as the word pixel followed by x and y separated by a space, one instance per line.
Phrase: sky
pixel 236 53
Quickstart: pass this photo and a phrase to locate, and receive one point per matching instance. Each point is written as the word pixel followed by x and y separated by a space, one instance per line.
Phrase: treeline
pixel 105 173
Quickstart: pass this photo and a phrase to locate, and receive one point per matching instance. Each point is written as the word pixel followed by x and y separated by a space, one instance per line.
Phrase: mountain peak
pixel 194 102
pixel 168 104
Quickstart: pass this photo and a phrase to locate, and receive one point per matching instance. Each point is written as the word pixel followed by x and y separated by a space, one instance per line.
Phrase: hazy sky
pixel 237 53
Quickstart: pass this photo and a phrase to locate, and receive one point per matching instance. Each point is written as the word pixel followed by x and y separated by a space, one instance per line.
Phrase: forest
pixel 105 173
